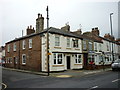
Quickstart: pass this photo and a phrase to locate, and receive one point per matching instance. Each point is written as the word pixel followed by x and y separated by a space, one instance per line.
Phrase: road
pixel 15 79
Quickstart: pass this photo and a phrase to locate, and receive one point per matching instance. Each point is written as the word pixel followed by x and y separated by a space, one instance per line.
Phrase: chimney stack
pixel 95 31
pixel 108 36
pixel 66 27
pixel 39 23
pixel 30 30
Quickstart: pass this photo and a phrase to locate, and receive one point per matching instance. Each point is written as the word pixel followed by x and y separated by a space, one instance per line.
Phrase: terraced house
pixel 30 51
pixel 67 50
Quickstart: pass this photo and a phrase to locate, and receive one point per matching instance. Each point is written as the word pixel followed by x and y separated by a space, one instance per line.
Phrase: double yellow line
pixel 5 86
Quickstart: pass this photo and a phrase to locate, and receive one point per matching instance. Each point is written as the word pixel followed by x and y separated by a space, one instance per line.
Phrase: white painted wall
pixel 63 46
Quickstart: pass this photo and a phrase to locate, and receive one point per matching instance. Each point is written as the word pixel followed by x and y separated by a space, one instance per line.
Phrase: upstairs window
pixel 23 44
pixel 75 43
pixel 95 46
pixel 90 46
pixel 30 43
pixel 8 48
pixel 14 47
pixel 57 40
pixel 100 47
pixel 68 42
pixel 107 47
pixel 84 45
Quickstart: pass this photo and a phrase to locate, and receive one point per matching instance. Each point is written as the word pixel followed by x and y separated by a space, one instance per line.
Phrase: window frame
pixel 57 42
pixel 23 44
pixel 30 43
pixel 8 48
pixel 77 58
pixel 14 46
pixel 84 45
pixel 56 59
pixel 22 59
pixel 76 43
pixel 68 42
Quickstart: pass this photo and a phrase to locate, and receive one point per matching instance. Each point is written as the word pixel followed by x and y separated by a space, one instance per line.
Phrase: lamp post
pixel 48 70
pixel 111 34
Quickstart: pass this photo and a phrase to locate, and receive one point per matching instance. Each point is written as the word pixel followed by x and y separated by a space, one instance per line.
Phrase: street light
pixel 48 69
pixel 111 33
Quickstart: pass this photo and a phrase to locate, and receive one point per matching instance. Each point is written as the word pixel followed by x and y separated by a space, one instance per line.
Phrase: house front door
pixel 68 62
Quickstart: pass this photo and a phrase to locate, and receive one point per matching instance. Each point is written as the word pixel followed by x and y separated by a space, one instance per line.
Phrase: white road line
pixel 92 88
pixel 115 80
pixel 4 85
pixel 95 87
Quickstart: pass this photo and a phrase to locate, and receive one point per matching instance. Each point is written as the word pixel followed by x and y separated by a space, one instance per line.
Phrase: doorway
pixel 85 60
pixel 68 62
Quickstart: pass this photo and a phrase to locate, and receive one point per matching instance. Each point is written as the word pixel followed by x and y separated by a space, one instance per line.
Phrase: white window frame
pixel 8 48
pixel 22 59
pixel 30 43
pixel 14 47
pixel 23 44
pixel 100 47
pixel 95 46
pixel 68 42
pixel 90 45
pixel 76 43
pixel 84 45
pixel 77 59
pixel 56 58
pixel 57 41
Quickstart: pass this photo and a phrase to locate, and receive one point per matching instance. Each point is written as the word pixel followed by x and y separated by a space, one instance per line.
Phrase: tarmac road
pixel 107 79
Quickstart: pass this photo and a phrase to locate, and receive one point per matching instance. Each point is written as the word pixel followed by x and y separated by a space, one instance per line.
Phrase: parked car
pixel 2 63
pixel 116 65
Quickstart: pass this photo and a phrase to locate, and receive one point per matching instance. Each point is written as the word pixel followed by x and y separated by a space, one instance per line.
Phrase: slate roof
pixel 51 30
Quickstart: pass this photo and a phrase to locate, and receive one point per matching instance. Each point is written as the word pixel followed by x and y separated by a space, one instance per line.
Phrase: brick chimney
pixel 66 27
pixel 95 31
pixel 108 36
pixel 39 23
pixel 30 30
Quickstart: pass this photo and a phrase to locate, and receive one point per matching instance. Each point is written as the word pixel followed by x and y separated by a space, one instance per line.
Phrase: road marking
pixel 4 85
pixel 92 88
pixel 115 80
pixel 95 87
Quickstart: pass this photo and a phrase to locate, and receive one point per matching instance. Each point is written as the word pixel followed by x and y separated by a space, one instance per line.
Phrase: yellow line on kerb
pixel 4 85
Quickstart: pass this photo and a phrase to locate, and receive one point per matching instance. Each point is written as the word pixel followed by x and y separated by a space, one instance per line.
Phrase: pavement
pixel 64 74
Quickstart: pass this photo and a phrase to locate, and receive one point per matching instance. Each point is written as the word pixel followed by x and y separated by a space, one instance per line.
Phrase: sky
pixel 17 15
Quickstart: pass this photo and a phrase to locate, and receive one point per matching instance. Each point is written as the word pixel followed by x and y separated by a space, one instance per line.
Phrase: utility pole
pixel 111 35
pixel 47 41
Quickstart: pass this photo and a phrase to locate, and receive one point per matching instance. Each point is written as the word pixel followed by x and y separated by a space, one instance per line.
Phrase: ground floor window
pixel 58 58
pixel 78 58
pixel 90 58
pixel 23 58
pixel 9 60
pixel 15 60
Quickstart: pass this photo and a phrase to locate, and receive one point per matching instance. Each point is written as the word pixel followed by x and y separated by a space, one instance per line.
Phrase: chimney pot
pixel 30 26
pixel 38 15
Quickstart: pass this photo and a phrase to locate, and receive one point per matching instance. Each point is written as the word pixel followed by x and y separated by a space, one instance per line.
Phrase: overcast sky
pixel 16 15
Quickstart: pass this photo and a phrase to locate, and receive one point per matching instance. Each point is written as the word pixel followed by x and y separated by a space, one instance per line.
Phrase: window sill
pixel 78 64
pixel 57 65
pixel 57 47
pixel 77 49
pixel 68 48
pixel 23 64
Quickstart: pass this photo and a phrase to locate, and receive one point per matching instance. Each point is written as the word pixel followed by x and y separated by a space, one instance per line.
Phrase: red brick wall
pixel 33 55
